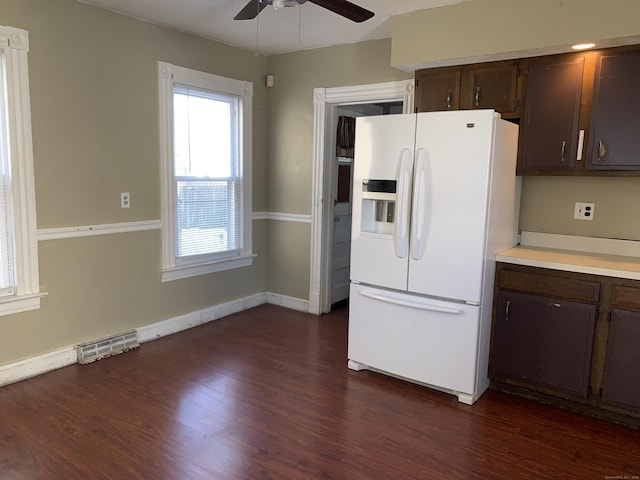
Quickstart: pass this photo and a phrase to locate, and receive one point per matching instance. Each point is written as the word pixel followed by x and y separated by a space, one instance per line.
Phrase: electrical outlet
pixel 125 200
pixel 584 211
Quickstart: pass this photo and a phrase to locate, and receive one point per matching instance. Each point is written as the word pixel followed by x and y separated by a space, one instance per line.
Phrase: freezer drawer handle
pixel 405 303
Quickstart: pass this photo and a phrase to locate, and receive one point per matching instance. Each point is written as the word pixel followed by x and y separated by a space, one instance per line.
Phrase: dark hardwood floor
pixel 266 394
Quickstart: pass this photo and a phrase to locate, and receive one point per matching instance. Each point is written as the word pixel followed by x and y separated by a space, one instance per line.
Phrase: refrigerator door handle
pixel 406 303
pixel 402 210
pixel 418 211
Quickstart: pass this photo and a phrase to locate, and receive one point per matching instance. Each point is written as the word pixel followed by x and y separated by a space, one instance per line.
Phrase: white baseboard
pixel 292 303
pixel 199 317
pixel 30 367
pixel 314 303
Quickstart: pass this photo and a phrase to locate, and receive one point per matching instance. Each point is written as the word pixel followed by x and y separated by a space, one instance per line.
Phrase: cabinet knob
pixel 506 310
pixel 478 96
pixel 564 145
pixel 602 149
pixel 449 99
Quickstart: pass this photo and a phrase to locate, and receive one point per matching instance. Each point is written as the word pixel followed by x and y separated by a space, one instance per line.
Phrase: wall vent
pixel 105 347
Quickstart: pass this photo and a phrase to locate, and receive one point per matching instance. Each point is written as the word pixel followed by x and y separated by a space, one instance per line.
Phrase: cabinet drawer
pixel 569 288
pixel 626 297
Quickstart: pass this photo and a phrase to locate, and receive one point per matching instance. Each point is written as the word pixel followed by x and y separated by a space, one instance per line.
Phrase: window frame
pixel 169 75
pixel 14 44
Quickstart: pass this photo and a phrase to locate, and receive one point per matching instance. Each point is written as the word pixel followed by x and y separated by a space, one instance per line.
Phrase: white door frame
pixel 325 102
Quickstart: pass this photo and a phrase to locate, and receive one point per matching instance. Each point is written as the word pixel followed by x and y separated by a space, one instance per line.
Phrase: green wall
pixel 453 34
pixel 94 105
pixel 290 132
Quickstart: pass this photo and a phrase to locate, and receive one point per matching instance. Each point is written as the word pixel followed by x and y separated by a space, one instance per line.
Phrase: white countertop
pixel 608 257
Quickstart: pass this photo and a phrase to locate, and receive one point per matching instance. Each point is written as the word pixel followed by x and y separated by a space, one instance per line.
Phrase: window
pixel 205 150
pixel 19 283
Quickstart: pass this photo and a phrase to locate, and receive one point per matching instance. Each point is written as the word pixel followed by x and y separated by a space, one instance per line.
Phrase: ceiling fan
pixel 341 7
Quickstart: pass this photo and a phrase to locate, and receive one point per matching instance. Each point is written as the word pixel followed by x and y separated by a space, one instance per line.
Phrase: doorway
pixel 331 207
pixel 342 193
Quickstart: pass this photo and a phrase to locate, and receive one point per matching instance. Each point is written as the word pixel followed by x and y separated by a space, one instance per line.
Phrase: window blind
pixel 7 256
pixel 208 182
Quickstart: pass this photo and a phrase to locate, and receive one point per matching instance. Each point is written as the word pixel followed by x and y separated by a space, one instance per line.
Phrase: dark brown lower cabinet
pixel 621 383
pixel 569 339
pixel 543 341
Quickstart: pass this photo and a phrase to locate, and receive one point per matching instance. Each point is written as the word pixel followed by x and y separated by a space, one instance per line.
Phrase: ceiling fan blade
pixel 346 9
pixel 250 10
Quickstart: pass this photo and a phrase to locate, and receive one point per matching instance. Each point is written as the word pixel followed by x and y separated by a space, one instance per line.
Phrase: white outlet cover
pixel 125 200
pixel 584 211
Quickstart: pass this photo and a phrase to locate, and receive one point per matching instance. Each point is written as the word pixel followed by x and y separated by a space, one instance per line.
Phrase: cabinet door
pixel 621 385
pixel 492 85
pixel 543 341
pixel 614 137
pixel 438 89
pixel 549 133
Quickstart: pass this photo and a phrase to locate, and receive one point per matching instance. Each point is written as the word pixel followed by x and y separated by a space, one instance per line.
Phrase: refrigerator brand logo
pixel 471 125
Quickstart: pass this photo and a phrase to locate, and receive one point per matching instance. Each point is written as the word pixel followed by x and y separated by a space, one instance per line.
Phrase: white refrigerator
pixel 435 198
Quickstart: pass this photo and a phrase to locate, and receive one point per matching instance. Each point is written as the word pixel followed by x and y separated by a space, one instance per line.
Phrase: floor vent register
pixel 105 347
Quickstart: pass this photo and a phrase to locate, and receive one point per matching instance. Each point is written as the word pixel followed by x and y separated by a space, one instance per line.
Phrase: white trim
pixel 15 44
pixel 32 366
pixel 16 304
pixel 100 229
pixel 283 217
pixel 289 217
pixel 192 269
pixel 325 101
pixel 607 246
pixel 168 76
pixel 22 162
pixel 165 113
pixel 292 303
pixel 45 234
pixel 36 365
pixel 199 317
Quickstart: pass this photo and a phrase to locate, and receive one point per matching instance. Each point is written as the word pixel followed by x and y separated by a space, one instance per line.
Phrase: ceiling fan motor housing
pixel 277 4
pixel 344 8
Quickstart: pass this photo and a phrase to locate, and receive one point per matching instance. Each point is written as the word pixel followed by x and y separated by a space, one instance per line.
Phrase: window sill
pixel 191 270
pixel 22 303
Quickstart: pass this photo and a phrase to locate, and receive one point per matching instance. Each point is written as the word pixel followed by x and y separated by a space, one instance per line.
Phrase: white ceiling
pixel 285 30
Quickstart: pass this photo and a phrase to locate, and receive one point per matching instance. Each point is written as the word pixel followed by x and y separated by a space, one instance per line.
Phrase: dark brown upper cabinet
pixel 438 89
pixel 615 115
pixel 492 85
pixel 579 114
pixel 550 135
pixel 495 85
